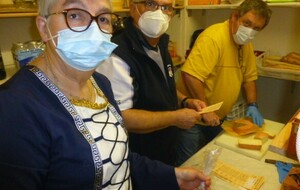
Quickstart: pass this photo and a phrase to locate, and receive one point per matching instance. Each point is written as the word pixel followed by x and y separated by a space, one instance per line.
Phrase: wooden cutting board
pixel 231 142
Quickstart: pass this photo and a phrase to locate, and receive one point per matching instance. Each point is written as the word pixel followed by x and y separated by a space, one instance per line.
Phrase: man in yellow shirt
pixel 222 62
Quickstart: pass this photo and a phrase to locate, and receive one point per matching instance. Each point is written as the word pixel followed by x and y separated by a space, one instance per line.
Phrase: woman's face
pixel 50 25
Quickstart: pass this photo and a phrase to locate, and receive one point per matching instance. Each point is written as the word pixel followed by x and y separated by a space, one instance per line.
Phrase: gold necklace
pixel 89 104
pixel 82 102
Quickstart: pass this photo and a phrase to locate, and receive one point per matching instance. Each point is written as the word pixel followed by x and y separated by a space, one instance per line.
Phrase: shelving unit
pixel 18 25
pixel 181 26
pixel 232 6
pixel 13 12
pixel 278 38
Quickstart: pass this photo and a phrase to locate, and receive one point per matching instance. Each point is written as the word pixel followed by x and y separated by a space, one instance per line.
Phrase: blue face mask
pixel 84 51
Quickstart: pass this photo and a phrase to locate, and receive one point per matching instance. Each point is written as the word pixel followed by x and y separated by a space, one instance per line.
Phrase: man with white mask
pixel 222 62
pixel 142 76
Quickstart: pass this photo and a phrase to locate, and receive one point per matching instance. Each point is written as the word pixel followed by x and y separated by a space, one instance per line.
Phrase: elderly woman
pixel 60 127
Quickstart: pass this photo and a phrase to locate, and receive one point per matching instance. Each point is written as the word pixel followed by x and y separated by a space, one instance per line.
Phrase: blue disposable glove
pixel 257 118
pixel 283 169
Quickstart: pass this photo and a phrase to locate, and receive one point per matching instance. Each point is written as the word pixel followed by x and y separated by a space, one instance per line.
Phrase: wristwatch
pixel 252 104
pixel 183 102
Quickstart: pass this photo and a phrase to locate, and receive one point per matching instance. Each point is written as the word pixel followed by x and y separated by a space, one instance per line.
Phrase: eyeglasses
pixel 79 20
pixel 153 6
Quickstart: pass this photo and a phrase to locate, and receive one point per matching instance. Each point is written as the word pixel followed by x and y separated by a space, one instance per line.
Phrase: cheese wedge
pixel 262 136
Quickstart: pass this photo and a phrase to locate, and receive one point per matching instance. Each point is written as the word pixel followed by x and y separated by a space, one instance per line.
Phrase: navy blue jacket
pixel 152 91
pixel 40 147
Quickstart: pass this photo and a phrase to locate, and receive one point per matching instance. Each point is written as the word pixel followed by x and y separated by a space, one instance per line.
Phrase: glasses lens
pixel 167 9
pixel 78 20
pixel 108 22
pixel 151 5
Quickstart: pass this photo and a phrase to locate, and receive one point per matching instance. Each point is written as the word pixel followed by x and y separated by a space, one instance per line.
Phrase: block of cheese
pixel 261 136
pixel 244 127
pixel 271 135
pixel 252 144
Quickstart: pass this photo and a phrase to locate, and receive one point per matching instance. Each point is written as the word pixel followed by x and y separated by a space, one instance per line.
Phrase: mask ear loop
pixel 51 36
pixel 137 9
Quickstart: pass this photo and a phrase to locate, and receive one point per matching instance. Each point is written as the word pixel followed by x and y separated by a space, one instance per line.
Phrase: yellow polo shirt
pixel 215 60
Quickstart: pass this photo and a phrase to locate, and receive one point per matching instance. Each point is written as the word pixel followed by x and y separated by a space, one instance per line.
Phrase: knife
pixel 270 161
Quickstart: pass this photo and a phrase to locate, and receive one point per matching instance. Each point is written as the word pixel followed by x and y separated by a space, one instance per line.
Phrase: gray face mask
pixel 244 35
pixel 154 23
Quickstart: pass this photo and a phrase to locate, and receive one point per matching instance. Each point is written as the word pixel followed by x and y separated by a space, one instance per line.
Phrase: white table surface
pixel 244 163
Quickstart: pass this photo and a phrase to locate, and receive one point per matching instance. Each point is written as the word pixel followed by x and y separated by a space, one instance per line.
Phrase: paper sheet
pixel 237 177
pixel 211 108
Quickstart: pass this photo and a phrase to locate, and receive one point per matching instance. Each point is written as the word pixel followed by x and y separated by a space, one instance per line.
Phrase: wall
pixel 278 99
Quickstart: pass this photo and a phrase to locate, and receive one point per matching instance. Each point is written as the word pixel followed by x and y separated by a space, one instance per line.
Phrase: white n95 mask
pixel 85 50
pixel 154 23
pixel 244 35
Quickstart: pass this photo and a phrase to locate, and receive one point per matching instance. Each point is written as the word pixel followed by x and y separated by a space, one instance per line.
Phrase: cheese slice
pixel 252 144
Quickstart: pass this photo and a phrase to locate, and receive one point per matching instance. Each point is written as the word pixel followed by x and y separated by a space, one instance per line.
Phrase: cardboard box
pixel 292 180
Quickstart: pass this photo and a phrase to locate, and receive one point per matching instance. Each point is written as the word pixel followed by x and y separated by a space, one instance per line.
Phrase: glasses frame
pixel 163 8
pixel 65 13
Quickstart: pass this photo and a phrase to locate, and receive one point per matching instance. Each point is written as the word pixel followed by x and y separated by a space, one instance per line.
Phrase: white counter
pixel 244 163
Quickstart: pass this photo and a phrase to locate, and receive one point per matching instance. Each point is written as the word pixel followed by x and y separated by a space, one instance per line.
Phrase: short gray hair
pixel 45 6
pixel 258 6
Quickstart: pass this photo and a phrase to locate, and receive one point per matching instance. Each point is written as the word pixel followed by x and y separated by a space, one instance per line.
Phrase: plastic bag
pixel 209 161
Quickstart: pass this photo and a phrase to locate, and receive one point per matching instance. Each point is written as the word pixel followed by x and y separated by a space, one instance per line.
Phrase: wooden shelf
pixel 220 6
pixel 16 15
pixel 232 6
pixel 120 10
pixel 14 12
pixel 11 11
pixel 288 4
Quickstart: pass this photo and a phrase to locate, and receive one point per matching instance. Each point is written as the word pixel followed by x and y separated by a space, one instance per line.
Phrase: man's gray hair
pixel 258 6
